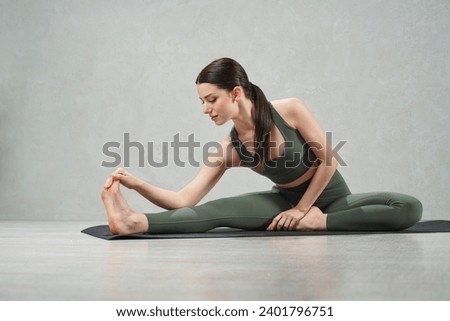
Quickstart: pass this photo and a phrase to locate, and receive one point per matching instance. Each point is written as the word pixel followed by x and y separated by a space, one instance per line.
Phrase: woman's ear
pixel 236 93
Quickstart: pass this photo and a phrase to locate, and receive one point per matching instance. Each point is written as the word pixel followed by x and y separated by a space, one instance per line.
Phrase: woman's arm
pixel 193 192
pixel 314 136
pixel 299 117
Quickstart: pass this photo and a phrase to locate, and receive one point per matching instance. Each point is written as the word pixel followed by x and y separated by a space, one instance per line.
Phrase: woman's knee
pixel 411 211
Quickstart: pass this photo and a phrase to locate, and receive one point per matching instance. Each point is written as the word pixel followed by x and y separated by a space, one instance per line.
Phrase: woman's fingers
pixel 273 223
pixel 126 179
pixel 286 220
pixel 277 222
pixel 292 224
pixel 120 170
pixel 118 174
pixel 282 222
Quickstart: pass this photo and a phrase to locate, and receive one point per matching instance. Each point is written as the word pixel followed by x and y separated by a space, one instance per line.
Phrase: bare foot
pixel 121 218
pixel 314 220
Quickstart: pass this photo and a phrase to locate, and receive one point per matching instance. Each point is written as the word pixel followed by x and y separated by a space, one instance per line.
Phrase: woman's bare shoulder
pixel 290 109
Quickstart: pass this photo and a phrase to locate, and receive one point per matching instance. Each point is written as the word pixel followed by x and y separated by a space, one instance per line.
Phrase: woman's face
pixel 217 103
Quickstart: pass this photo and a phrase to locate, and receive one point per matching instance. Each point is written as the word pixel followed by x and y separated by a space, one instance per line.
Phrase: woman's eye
pixel 212 101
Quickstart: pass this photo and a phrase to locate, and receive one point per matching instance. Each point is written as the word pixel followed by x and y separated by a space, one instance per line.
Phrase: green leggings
pixel 255 211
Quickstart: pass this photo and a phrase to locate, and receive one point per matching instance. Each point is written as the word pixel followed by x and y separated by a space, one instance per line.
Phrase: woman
pixel 280 140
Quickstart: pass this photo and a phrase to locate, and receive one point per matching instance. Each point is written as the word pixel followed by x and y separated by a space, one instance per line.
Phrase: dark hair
pixel 227 73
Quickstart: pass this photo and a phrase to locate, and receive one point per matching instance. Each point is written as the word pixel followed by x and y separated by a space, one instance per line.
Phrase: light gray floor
pixel 54 261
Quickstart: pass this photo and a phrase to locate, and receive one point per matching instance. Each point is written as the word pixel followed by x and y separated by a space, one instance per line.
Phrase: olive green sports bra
pixel 295 160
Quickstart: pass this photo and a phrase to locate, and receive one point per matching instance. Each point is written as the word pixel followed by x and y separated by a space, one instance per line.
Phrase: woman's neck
pixel 243 122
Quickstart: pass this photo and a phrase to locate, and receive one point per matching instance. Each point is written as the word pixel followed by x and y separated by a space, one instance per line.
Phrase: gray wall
pixel 75 75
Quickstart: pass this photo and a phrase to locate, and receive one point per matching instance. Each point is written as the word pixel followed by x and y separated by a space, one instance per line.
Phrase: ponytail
pixel 262 117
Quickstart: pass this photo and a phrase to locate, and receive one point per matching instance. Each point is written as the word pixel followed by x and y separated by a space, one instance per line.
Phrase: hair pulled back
pixel 227 73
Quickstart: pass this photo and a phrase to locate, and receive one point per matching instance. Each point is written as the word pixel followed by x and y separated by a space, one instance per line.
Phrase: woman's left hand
pixel 286 220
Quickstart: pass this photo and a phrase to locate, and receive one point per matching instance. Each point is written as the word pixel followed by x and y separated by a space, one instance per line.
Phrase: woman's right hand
pixel 126 179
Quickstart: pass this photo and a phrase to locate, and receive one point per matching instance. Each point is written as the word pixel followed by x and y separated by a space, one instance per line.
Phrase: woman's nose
pixel 206 109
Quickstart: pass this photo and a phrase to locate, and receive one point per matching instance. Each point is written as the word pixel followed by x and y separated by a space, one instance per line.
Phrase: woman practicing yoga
pixel 280 140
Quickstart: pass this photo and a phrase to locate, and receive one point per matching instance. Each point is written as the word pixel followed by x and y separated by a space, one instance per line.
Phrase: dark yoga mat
pixel 102 231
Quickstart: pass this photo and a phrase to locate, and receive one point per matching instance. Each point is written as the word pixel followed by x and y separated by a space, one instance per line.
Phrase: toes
pixel 108 183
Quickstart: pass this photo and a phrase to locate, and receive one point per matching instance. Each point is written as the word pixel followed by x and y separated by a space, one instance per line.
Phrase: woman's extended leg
pixel 373 212
pixel 253 211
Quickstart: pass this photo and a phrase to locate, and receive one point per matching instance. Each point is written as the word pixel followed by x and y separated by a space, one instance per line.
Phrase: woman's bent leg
pixel 253 211
pixel 373 212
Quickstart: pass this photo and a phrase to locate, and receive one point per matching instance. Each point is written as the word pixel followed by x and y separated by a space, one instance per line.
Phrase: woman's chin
pixel 218 121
